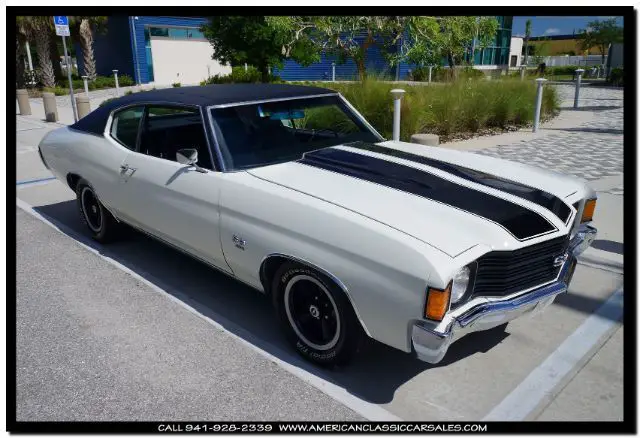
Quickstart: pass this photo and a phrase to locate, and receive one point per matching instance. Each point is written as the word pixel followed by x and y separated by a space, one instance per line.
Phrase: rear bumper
pixel 432 340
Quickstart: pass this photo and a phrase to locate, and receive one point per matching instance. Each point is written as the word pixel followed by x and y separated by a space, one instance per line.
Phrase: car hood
pixel 429 200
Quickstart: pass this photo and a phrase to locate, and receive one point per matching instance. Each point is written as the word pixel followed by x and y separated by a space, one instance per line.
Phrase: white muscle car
pixel 291 191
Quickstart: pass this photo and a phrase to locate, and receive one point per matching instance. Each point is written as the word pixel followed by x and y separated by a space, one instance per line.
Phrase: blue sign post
pixel 61 22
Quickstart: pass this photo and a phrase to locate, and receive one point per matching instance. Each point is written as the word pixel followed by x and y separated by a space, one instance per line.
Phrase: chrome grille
pixel 502 273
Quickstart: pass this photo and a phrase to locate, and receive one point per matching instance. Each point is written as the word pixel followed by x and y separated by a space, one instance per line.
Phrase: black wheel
pixel 101 224
pixel 316 315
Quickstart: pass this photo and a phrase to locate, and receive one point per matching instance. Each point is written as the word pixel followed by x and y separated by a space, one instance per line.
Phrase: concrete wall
pixel 183 61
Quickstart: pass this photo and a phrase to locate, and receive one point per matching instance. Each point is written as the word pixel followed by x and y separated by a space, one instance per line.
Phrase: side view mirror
pixel 190 158
pixel 187 156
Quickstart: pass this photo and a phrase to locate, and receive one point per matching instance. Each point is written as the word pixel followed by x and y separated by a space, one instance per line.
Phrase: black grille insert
pixel 502 273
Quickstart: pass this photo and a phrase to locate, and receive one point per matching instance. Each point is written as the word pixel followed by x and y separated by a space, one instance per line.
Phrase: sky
pixel 548 26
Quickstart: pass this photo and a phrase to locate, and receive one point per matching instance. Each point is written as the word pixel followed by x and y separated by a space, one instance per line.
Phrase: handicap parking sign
pixel 61 23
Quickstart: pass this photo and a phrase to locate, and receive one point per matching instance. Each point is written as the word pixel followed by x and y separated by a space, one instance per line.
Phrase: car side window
pixel 167 129
pixel 124 127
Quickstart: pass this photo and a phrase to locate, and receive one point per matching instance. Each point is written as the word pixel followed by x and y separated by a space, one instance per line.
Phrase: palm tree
pixel 20 56
pixel 527 35
pixel 38 28
pixel 83 29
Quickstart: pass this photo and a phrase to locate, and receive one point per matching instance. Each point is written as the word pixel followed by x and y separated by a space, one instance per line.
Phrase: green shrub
pixel 58 91
pixel 238 75
pixel 617 77
pixel 448 109
pixel 124 81
pixel 176 85
pixel 128 92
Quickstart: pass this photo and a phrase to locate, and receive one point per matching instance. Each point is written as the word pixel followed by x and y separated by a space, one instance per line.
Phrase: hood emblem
pixel 559 261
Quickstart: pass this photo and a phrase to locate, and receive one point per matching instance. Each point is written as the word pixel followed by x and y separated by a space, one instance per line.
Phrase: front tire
pixel 101 224
pixel 316 315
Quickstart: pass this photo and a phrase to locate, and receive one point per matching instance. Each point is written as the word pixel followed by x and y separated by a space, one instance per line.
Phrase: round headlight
pixel 460 283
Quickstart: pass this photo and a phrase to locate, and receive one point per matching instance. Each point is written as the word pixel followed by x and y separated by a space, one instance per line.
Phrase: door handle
pixel 125 167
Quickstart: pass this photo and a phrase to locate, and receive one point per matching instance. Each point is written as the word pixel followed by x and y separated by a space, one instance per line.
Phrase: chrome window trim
pixel 145 104
pixel 216 141
pixel 360 116
pixel 277 99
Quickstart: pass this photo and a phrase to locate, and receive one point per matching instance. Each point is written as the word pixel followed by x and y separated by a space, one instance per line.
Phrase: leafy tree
pixel 600 34
pixel 82 31
pixel 260 41
pixel 349 37
pixel 433 38
pixel 457 33
pixel 527 35
pixel 39 28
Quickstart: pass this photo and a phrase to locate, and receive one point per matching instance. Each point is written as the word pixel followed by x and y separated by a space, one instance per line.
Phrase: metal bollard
pixel 50 107
pixel 82 102
pixel 578 81
pixel 536 116
pixel 523 69
pixel 430 68
pixel 23 102
pixel 86 84
pixel 397 97
pixel 115 75
pixel 333 71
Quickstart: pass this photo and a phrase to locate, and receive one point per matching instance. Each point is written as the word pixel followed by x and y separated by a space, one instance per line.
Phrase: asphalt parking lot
pixel 138 331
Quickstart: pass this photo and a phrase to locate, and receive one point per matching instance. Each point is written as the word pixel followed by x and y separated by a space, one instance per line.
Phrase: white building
pixel 515 52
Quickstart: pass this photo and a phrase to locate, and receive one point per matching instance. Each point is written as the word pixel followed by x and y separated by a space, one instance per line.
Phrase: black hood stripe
pixel 537 196
pixel 521 222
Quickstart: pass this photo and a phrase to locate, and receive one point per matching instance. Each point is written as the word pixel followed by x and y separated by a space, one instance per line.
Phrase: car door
pixel 175 202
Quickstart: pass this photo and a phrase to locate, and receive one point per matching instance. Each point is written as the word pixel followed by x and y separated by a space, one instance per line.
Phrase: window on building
pixel 178 33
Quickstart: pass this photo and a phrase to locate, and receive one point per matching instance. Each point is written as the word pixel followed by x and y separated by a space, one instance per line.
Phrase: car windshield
pixel 260 134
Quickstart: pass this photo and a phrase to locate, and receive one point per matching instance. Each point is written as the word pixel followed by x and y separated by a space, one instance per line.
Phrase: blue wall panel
pixel 375 62
pixel 111 49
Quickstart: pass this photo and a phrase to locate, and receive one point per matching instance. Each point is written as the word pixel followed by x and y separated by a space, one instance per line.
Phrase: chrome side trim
pixel 335 279
pixel 278 99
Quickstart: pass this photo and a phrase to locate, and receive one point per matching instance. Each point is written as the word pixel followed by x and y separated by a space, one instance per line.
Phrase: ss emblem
pixel 559 261
pixel 238 242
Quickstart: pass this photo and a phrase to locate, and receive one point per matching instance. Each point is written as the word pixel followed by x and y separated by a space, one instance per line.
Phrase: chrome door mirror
pixel 187 156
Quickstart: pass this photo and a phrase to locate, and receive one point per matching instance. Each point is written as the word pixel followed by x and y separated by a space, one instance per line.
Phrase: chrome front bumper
pixel 431 340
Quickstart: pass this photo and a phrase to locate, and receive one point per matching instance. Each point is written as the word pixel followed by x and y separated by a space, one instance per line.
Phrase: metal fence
pixel 561 61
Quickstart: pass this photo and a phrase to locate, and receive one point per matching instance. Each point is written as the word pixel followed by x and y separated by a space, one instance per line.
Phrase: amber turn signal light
pixel 437 303
pixel 589 209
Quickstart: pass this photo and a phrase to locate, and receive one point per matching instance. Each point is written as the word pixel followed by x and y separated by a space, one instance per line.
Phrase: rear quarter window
pixel 125 126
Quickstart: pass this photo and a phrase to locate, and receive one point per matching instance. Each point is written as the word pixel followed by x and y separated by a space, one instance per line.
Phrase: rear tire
pixel 101 224
pixel 316 315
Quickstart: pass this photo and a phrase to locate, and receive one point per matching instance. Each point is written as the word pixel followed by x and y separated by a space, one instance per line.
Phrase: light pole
pixel 397 94
pixel 536 116
pixel 578 81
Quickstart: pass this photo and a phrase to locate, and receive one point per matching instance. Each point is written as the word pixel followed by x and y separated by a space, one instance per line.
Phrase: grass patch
pixel 449 110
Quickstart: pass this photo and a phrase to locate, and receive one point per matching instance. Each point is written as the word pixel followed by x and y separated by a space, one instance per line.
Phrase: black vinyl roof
pixel 202 96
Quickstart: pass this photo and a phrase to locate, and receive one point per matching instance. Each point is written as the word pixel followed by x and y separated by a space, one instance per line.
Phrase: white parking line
pixel 546 380
pixel 291 362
